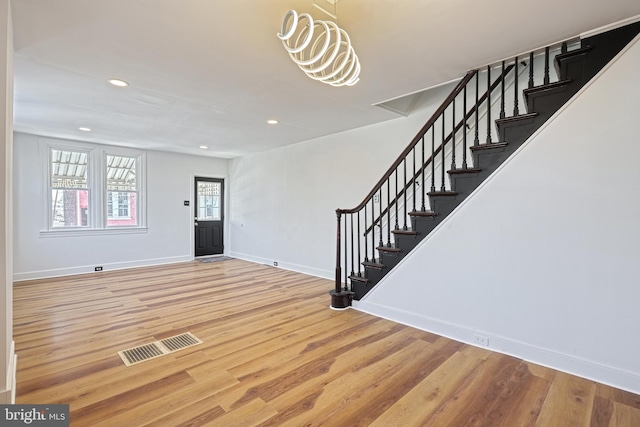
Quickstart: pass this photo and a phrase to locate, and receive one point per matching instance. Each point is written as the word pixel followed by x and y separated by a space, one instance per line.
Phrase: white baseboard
pixel 593 370
pixel 69 271
pixel 311 271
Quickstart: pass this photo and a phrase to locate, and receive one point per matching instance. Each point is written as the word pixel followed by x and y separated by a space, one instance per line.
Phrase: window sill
pixel 76 232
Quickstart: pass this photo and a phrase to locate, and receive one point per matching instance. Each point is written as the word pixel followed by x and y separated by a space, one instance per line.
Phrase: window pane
pixel 121 190
pixel 68 169
pixel 69 188
pixel 121 173
pixel 70 208
pixel 122 208
pixel 209 201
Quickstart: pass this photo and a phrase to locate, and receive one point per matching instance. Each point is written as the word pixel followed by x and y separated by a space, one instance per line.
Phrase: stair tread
pixel 404 232
pixel 463 171
pixel 373 264
pixel 442 193
pixel 489 146
pixel 575 52
pixel 518 118
pixel 388 249
pixel 421 213
pixel 548 86
pixel 356 278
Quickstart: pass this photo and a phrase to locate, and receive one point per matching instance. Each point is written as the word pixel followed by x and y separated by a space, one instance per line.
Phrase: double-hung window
pixel 94 188
pixel 69 188
pixel 121 190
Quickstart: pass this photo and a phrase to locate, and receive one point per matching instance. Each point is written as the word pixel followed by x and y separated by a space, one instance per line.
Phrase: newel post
pixel 340 299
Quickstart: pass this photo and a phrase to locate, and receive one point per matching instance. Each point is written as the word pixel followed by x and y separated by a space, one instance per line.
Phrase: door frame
pixel 225 211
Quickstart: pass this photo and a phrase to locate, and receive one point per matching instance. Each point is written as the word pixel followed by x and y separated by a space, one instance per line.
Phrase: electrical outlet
pixel 376 198
pixel 98 269
pixel 275 263
pixel 481 340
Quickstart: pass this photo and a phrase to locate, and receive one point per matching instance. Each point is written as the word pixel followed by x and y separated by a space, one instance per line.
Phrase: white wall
pixel 169 237
pixel 7 354
pixel 544 260
pixel 283 201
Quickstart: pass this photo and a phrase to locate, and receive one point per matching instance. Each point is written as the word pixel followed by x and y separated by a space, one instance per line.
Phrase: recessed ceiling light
pixel 204 147
pixel 272 122
pixel 118 82
pixel 84 129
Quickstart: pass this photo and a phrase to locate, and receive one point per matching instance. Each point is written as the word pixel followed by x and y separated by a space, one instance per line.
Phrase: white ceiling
pixel 211 72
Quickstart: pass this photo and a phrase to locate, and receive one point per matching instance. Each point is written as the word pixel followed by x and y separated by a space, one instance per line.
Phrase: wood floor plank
pixel 271 368
pixel 370 402
pixel 569 402
pixel 338 403
pixel 624 415
pixel 131 398
pixel 252 413
pixel 338 364
pixel 521 400
pixel 421 401
pixel 273 354
pixel 154 412
pixel 602 412
pixel 475 396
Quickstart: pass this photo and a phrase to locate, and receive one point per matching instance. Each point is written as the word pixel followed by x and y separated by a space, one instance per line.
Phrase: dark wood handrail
pixel 437 150
pixel 414 141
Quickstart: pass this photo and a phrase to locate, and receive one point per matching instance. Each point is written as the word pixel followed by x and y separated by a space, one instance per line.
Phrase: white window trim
pixel 141 200
pixel 97 218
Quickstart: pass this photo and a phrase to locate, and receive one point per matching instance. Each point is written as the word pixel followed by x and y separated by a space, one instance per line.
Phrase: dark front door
pixel 209 216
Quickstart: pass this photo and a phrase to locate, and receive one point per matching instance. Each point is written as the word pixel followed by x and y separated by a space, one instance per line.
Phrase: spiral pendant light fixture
pixel 320 48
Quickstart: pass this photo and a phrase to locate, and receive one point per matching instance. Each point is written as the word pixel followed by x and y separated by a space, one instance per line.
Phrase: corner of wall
pixel 8 395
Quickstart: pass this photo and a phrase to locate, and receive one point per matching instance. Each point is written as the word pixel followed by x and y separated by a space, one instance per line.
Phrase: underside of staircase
pixel 414 196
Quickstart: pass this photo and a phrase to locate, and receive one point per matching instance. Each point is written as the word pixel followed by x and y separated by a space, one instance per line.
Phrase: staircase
pixel 489 114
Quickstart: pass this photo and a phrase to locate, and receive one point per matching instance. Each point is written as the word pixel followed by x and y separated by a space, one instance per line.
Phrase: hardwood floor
pixel 273 354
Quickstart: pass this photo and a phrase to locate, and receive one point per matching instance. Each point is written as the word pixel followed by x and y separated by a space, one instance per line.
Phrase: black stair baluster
pixel 414 180
pixel 346 262
pixel 358 258
pixel 404 164
pixel 453 134
pixel 546 65
pixel 422 207
pixel 397 227
pixel 502 113
pixel 433 163
pixel 464 128
pixel 516 111
pixel 488 104
pixel 380 217
pixel 442 145
pixel 337 285
pixel 530 70
pixel 476 141
pixel 388 213
pixel 366 249
pixel 352 251
pixel 373 229
pixel 563 47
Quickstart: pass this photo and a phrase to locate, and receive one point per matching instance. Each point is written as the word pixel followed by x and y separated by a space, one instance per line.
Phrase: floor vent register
pixel 155 349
